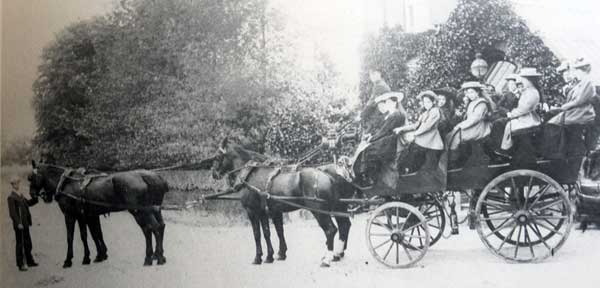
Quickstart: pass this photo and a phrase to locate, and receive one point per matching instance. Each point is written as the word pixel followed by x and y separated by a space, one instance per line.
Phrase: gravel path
pixel 199 255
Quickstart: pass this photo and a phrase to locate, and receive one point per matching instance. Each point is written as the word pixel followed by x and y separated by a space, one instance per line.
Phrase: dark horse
pixel 140 191
pixel 235 162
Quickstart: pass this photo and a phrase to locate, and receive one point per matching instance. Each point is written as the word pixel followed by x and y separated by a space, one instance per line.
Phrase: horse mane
pixel 248 155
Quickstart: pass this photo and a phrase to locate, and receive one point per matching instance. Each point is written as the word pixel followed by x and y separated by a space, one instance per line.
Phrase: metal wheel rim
pixel 379 235
pixel 527 219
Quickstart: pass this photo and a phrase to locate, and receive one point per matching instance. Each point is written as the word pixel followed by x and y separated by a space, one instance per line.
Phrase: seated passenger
pixel 576 112
pixel 382 145
pixel 474 126
pixel 578 108
pixel 426 140
pixel 524 115
pixel 446 101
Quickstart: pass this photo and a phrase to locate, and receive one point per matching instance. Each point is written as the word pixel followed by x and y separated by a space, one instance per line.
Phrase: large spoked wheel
pixel 433 211
pixel 524 216
pixel 389 235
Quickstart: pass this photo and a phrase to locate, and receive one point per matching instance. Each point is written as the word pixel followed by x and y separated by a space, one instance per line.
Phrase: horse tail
pixel 157 187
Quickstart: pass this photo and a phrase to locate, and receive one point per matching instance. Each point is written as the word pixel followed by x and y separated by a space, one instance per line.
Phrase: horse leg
pixel 278 223
pixel 96 231
pixel 70 223
pixel 83 233
pixel 330 230
pixel 142 220
pixel 255 221
pixel 264 221
pixel 159 232
pixel 344 226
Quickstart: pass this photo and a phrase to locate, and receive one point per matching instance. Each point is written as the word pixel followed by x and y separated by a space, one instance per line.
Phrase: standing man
pixel 18 207
pixel 370 116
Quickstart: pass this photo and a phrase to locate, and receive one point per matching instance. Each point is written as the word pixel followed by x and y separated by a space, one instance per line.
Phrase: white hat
pixel 471 84
pixel 581 62
pixel 389 95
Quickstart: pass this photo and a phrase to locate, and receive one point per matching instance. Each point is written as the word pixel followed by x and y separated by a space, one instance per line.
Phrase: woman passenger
pixel 427 143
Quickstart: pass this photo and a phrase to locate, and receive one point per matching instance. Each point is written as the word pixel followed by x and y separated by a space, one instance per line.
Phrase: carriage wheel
pixel 433 211
pixel 389 238
pixel 527 216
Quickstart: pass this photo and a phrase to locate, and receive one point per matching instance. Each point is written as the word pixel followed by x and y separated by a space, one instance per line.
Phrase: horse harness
pixel 240 181
pixel 84 183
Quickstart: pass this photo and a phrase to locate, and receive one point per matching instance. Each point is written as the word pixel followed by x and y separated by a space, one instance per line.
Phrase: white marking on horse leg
pixel 338 247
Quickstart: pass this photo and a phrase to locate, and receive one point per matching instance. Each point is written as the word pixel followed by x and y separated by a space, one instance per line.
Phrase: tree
pixel 480 26
pixel 156 83
pixel 444 56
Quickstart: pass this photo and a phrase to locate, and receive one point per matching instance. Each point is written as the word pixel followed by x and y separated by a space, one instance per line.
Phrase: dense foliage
pixel 162 82
pixel 443 57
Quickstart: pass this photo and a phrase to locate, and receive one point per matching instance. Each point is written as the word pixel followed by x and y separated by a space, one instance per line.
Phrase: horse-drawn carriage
pixel 521 211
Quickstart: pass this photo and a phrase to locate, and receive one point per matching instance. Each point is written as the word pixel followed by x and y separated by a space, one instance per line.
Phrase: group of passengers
pixel 497 121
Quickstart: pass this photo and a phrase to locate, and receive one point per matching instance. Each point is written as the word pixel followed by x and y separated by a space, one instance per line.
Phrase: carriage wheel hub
pixel 397 237
pixel 522 217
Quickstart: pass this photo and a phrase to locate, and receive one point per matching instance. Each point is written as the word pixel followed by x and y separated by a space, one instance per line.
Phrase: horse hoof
pixel 148 262
pixel 162 260
pixel 336 258
pixel 269 259
pixel 257 261
pixel 67 264
pixel 341 255
pixel 325 265
pixel 100 258
pixel 86 261
pixel 281 257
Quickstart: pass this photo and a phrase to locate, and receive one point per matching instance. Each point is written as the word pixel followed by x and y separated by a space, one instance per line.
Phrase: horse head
pixel 40 182
pixel 232 157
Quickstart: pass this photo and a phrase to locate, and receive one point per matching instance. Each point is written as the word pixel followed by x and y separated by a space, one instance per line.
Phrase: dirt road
pixel 199 255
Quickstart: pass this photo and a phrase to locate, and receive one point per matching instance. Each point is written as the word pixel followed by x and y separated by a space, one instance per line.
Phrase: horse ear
pixel 224 144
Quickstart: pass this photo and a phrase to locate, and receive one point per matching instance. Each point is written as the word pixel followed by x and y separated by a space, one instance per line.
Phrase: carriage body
pixel 521 210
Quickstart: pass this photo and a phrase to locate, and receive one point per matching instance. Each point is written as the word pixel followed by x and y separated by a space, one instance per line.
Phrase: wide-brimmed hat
pixel 512 76
pixel 580 63
pixel 430 94
pixel 471 84
pixel 390 95
pixel 529 72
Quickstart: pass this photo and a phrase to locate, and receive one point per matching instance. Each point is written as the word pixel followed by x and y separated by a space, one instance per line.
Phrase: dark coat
pixel 507 102
pixel 383 143
pixel 18 208
pixel 370 116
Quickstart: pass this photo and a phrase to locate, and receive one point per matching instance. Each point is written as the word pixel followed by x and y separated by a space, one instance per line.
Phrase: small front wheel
pixel 391 236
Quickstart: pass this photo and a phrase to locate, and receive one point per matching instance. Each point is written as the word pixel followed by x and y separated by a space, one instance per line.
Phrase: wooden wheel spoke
pixel 518 239
pixel 397 254
pixel 380 224
pixel 381 234
pixel 546 206
pixel 502 190
pixel 388 251
pixel 540 194
pixel 499 207
pixel 381 244
pixel 506 238
pixel 550 229
pixel 404 223
pixel 539 235
pixel 419 233
pixel 528 239
pixel 411 227
pixel 497 218
pixel 500 227
pixel 407 253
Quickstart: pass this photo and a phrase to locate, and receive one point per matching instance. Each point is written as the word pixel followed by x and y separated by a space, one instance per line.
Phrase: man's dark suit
pixel 18 207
